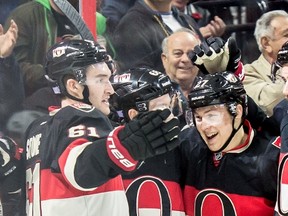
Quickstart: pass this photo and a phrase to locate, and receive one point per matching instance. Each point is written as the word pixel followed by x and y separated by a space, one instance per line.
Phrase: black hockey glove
pixel 149 134
pixel 214 55
pixel 282 56
pixel 9 156
pixel 282 59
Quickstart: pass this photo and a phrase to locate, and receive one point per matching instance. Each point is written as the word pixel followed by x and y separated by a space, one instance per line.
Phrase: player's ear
pixel 239 111
pixel 132 113
pixel 74 88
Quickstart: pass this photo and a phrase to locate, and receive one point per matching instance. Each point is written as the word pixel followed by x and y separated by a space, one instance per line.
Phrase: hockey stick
pixel 75 18
pixel 87 10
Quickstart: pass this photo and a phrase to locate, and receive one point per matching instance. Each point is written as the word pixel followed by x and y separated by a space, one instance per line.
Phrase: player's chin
pixel 104 107
pixel 105 110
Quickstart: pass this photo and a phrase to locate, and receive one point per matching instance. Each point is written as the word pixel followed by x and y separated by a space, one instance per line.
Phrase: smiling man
pixel 178 66
pixel 231 169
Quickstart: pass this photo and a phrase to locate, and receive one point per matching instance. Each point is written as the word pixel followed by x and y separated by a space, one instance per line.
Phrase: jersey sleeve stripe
pixel 67 162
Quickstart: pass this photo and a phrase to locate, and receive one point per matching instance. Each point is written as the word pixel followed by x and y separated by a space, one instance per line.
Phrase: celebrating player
pixel 74 157
pixel 231 169
pixel 154 188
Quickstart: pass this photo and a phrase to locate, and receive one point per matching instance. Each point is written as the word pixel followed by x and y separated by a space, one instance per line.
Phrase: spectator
pixel 176 61
pixel 154 188
pixel 230 168
pixel 271 33
pixel 138 37
pixel 40 25
pixel 10 165
pixel 74 157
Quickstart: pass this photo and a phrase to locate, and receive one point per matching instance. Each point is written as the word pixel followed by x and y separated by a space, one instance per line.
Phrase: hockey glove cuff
pixel 149 134
pixel 9 156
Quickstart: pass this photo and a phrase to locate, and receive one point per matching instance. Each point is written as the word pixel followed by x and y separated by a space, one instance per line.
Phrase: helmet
pixel 136 87
pixel 72 57
pixel 219 88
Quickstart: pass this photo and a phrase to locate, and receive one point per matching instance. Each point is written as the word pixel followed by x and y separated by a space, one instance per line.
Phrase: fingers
pixel 13 30
pixel 215 43
pixel 206 49
pixel 215 28
pixel 218 26
pixel 153 119
pixel 206 31
pixel 212 29
pixel 164 139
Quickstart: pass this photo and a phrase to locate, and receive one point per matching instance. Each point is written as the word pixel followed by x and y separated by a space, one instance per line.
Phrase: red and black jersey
pixel 68 171
pixel 239 182
pixel 154 188
pixel 282 201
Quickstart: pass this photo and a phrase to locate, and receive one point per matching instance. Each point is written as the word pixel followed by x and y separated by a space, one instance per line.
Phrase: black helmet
pixel 136 87
pixel 72 57
pixel 219 88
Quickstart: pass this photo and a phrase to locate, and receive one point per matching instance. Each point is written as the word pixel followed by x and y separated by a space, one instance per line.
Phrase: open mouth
pixel 211 136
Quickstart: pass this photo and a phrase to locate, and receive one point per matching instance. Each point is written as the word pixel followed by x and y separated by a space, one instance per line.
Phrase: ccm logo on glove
pixel 117 152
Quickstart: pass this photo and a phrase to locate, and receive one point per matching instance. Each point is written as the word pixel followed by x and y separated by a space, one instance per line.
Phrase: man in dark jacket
pixel 138 37
pixel 40 26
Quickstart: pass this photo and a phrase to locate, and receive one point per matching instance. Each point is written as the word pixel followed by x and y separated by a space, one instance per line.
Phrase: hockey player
pixel 231 169
pixel 74 157
pixel 280 112
pixel 11 178
pixel 153 189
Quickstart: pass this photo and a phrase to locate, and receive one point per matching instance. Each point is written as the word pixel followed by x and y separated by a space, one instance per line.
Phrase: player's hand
pixel 214 55
pixel 150 133
pixel 9 156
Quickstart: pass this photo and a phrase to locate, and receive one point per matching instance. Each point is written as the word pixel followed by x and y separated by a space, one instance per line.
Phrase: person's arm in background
pixel 215 28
